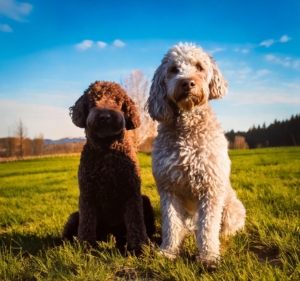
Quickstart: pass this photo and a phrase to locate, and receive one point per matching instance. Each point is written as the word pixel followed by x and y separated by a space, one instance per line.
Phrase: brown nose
pixel 188 84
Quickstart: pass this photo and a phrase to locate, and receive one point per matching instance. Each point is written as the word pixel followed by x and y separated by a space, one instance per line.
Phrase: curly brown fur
pixel 109 178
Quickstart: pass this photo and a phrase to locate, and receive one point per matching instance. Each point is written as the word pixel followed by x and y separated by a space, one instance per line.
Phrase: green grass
pixel 36 197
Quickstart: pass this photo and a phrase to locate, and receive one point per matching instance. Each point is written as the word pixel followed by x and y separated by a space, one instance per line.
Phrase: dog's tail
pixel 71 227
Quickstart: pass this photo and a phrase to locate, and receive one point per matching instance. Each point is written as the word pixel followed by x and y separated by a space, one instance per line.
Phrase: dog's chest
pixel 111 177
pixel 186 154
pixel 181 163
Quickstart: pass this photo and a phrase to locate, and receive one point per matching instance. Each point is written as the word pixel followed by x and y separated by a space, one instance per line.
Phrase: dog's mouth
pixel 188 100
pixel 104 131
pixel 187 95
pixel 104 123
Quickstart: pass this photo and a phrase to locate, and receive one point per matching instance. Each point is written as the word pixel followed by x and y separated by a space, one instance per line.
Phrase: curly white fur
pixel 190 161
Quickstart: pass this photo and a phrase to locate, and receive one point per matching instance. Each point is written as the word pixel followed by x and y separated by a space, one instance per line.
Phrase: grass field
pixel 36 197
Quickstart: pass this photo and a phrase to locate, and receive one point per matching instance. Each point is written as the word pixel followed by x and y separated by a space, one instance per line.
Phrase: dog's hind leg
pixel 234 214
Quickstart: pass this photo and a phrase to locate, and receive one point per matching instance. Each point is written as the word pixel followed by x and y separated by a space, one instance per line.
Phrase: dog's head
pixel 187 77
pixel 105 110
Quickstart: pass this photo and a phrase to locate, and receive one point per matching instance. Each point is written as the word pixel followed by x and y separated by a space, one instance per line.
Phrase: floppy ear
pixel 218 85
pixel 79 112
pixel 157 104
pixel 131 114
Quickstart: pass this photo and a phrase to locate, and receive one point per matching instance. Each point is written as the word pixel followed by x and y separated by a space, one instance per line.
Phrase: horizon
pixel 50 53
pixel 225 132
pixel 245 131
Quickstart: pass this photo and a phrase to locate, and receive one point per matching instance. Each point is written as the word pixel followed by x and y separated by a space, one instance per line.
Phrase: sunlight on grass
pixel 37 195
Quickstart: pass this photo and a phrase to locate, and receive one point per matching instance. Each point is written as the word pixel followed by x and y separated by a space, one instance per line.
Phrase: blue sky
pixel 50 51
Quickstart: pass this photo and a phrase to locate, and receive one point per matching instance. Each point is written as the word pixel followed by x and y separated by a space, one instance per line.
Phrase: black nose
pixel 104 117
pixel 188 84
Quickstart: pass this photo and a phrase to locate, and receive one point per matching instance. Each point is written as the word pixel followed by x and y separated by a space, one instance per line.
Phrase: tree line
pixel 279 133
pixel 20 146
pixel 13 147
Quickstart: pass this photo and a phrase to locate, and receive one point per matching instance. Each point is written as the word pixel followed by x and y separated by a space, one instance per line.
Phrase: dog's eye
pixel 174 70
pixel 199 67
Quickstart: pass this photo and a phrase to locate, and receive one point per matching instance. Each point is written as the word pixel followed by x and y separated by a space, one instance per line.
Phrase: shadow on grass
pixel 29 243
pixel 264 256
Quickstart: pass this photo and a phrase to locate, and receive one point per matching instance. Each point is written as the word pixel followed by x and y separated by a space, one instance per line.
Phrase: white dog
pixel 190 160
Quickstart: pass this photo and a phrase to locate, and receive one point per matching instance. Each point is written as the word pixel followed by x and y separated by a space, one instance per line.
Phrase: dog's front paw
pixel 87 241
pixel 168 254
pixel 209 262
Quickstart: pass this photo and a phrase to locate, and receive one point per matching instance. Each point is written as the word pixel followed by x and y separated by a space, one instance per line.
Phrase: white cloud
pixel 15 10
pixel 296 64
pixel 261 72
pixel 84 45
pixel 267 43
pixel 243 51
pixel 264 96
pixel 271 98
pixel 53 122
pixel 245 70
pixel 215 50
pixel 5 28
pixel 293 85
pixel 229 72
pixel 101 44
pixel 87 44
pixel 287 62
pixel 270 57
pixel 284 39
pixel 242 74
pixel 119 43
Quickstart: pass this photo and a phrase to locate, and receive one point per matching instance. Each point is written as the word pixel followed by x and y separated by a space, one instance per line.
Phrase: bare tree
pixel 20 133
pixel 240 143
pixel 136 85
pixel 10 145
pixel 38 144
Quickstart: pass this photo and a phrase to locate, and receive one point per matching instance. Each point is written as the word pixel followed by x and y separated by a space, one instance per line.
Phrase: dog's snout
pixel 188 84
pixel 104 117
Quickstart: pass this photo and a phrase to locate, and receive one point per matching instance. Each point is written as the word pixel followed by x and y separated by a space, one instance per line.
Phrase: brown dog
pixel 110 200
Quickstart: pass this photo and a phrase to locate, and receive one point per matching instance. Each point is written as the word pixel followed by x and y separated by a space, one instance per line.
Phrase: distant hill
pixel 64 140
